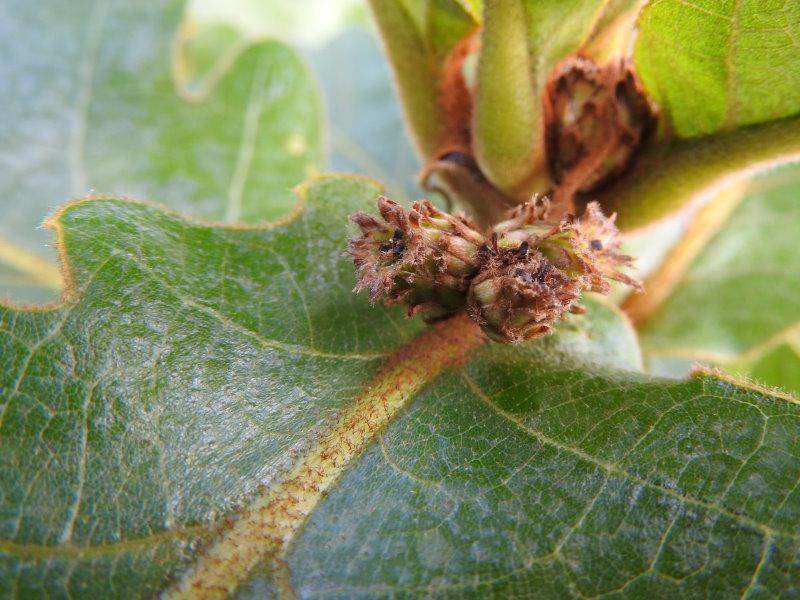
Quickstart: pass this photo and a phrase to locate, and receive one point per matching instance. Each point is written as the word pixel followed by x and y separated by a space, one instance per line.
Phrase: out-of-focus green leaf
pixel 718 65
pixel 366 133
pixel 16 284
pixel 736 303
pixel 193 369
pixel 685 172
pixel 417 35
pixel 93 105
pixel 307 23
pixel 365 129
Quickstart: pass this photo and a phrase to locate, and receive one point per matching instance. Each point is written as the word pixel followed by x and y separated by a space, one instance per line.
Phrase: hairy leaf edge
pixel 71 292
pixel 704 372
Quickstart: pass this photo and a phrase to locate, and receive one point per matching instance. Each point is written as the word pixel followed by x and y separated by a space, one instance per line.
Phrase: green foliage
pixel 417 48
pixel 97 106
pixel 191 367
pixel 721 72
pixel 153 404
pixel 734 303
pixel 713 66
pixel 545 479
pixel 720 75
pixel 154 401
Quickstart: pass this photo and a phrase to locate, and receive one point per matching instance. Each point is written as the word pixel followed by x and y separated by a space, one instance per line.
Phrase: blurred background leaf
pixel 203 110
pixel 304 23
pixel 727 293
pixel 98 104
pixel 365 129
pixel 366 133
pixel 167 122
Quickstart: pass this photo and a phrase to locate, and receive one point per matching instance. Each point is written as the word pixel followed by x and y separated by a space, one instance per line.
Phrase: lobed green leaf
pixel 96 105
pixel 192 365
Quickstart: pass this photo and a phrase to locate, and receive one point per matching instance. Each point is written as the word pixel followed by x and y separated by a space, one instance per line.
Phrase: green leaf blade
pixel 715 66
pixel 598 495
pixel 181 382
pixel 101 394
pixel 97 106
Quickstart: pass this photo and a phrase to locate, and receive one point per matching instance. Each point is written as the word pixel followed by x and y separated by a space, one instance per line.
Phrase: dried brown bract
pixel 596 119
pixel 527 273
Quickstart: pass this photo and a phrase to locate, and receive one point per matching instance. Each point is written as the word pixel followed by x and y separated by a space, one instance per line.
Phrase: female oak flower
pixel 526 274
pixel 587 247
pixel 422 258
pixel 518 293
pixel 534 271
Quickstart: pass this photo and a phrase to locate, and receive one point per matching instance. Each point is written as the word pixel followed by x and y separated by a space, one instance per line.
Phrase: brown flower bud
pixel 535 270
pixel 519 293
pixel 596 118
pixel 422 258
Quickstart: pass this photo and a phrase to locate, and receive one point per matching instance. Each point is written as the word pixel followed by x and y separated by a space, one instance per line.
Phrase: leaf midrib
pixel 269 524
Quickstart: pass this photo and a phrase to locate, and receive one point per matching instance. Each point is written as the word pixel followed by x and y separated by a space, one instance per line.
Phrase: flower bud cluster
pixel 422 258
pixel 515 281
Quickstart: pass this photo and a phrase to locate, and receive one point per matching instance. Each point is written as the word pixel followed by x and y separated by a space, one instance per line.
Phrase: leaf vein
pixel 617 469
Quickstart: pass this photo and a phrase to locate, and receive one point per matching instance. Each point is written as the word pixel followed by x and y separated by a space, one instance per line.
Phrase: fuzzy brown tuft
pixel 421 258
pixel 519 293
pixel 527 273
